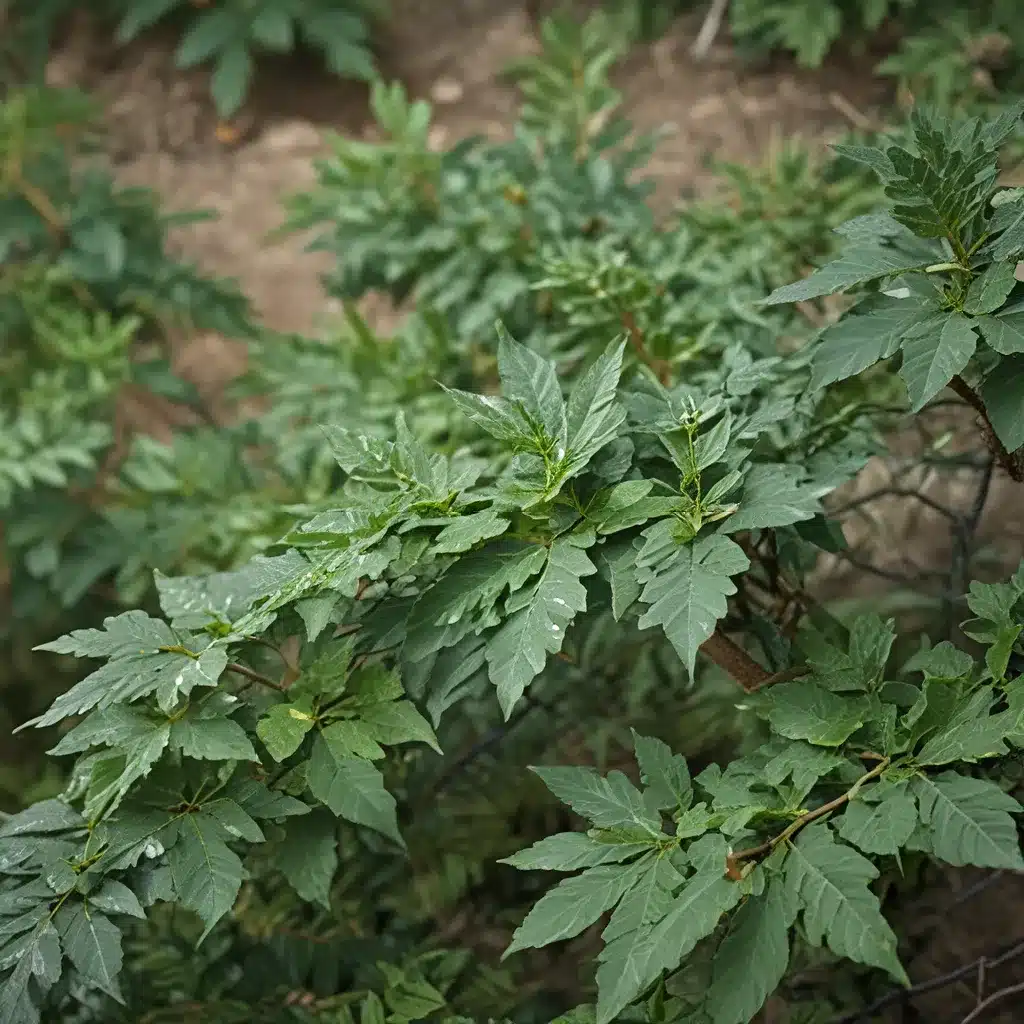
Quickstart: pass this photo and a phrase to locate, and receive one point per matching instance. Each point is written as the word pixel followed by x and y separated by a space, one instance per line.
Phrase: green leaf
pixel 618 562
pixel 773 495
pixel 231 77
pixel 931 359
pixel 830 881
pixel 501 418
pixel 1001 394
pixel 283 728
pixel 399 722
pixel 537 621
pixel 210 32
pixel 352 788
pixel 571 906
pixel 664 774
pixel 212 739
pixel 607 802
pixel 92 943
pixel 207 874
pixel 116 898
pixel 970 734
pixel 570 851
pixel 858 341
pixel 307 856
pixel 467 531
pixel 802 710
pixel 531 380
pixel 272 28
pixel 686 586
pixel 969 821
pixel 859 264
pixel 441 617
pixel 752 959
pixel 593 416
pixel 881 828
pixel 624 963
pixel 145 659
pixel 989 290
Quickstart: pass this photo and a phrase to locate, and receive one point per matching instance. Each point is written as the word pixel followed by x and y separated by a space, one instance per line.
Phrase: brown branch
pixel 753 852
pixel 256 677
pixel 661 369
pixel 733 660
pixel 997 997
pixel 1010 461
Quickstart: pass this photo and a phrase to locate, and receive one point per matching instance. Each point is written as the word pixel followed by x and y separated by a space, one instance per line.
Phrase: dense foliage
pixel 572 515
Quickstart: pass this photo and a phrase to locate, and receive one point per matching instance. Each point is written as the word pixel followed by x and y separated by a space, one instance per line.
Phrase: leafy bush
pixel 228 34
pixel 596 550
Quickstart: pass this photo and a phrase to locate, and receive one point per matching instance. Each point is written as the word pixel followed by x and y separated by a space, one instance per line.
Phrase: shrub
pixel 594 551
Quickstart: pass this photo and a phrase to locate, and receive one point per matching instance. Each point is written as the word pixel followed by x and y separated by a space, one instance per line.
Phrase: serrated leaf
pixel 860 263
pixel 686 586
pixel 607 802
pixel 970 734
pixel 537 621
pixel 1001 394
pixel 114 897
pixel 145 659
pixel 881 828
pixel 773 496
pixel 283 728
pixel 92 943
pixel 207 874
pixel 752 959
pixel 441 617
pixel 353 789
pixel 860 340
pixel 830 881
pixel 989 290
pixel 803 710
pixel 624 963
pixel 570 851
pixel 531 380
pixel 307 856
pixel 571 906
pixel 969 821
pixel 212 739
pixel 664 774
pixel 933 357
pixel 593 416
pixel 618 562
pixel 501 418
pixel 398 722
pixel 468 530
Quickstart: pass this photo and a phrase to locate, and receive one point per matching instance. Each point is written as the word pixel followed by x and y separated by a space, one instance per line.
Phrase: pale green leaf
pixel 468 530
pixel 830 881
pixel 773 495
pixel 803 710
pixel 398 722
pixel 990 289
pixel 283 729
pixel 664 774
pixel 572 905
pixel 531 380
pixel 932 357
pixel 92 943
pixel 537 621
pixel 212 739
pixel 861 262
pixel 353 789
pixel 686 586
pixel 593 416
pixel 1001 394
pixel 971 733
pixel 969 821
pixel 883 827
pixel 607 802
pixel 1005 333
pixel 207 874
pixel 570 851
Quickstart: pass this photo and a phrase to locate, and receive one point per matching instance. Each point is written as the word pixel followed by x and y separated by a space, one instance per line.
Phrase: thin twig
pixel 256 677
pixel 1009 461
pixel 996 997
pixel 819 812
pixel 709 29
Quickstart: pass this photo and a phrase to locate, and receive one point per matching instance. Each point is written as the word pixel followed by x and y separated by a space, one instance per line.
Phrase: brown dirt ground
pixel 163 134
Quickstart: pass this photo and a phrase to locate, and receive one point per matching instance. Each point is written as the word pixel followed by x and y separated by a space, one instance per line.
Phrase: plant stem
pixel 806 819
pixel 256 677
pixel 1008 460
